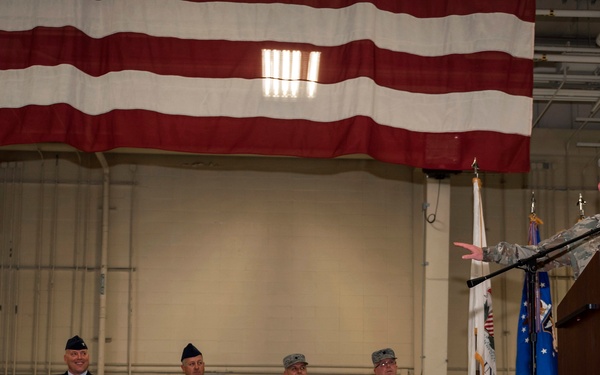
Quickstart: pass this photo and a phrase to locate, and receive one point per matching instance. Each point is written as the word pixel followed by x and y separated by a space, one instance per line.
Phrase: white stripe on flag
pixel 453 34
pixel 229 97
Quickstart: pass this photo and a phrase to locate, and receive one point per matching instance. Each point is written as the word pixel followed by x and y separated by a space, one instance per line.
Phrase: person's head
pixel 77 356
pixel 384 362
pixel 294 364
pixel 192 361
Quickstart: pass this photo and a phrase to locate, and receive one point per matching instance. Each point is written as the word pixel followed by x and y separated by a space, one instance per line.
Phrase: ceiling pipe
pixel 575 78
pixel 588 144
pixel 567 49
pixel 587 119
pixel 567 95
pixel 568 13
pixel 566 58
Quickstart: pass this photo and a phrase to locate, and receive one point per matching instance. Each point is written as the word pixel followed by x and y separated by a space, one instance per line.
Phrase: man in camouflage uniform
pixel 578 257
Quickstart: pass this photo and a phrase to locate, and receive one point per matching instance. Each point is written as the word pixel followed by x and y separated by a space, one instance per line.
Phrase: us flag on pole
pixel 422 83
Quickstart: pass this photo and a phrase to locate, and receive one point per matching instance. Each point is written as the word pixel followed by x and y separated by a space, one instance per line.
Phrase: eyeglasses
pixel 301 368
pixel 386 364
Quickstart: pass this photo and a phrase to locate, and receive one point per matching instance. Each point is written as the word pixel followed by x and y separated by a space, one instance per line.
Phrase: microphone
pixel 476 281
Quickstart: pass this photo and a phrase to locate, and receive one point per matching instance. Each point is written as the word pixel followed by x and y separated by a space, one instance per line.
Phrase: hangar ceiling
pixel 567 65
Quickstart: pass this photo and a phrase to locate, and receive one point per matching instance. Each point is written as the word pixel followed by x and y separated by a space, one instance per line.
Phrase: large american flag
pixel 431 84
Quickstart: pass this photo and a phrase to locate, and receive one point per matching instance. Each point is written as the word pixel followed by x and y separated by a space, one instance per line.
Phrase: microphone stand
pixel 531 265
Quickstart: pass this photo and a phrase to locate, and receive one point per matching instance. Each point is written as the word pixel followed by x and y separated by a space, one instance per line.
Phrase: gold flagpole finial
pixel 581 203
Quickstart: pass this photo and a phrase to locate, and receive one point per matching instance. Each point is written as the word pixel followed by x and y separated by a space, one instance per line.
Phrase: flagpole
pixel 536 351
pixel 532 279
pixel 481 352
pixel 532 307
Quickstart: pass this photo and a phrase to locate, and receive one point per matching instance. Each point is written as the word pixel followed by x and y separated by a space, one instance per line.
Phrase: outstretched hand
pixel 476 251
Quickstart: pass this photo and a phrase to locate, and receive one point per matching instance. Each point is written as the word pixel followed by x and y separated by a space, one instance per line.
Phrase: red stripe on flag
pixel 263 136
pixel 489 324
pixel 487 70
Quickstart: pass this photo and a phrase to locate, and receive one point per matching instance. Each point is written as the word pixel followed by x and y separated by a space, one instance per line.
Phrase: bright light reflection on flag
pixel 282 72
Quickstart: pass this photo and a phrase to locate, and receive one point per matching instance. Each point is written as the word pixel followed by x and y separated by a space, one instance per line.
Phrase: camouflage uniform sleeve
pixel 582 251
pixel 507 253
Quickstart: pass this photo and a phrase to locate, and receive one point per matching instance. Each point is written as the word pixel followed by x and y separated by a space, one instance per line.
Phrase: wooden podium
pixel 579 323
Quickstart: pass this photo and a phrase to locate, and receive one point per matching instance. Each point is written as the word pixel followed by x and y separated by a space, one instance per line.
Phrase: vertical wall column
pixel 103 265
pixel 435 278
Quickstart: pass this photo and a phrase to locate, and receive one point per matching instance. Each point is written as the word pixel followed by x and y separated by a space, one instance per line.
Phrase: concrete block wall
pixel 248 258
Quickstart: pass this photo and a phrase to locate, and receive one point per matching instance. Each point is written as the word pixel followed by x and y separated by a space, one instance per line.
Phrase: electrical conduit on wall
pixel 103 264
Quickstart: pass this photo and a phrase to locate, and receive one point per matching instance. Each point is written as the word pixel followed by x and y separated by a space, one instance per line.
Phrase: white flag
pixel 482 355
